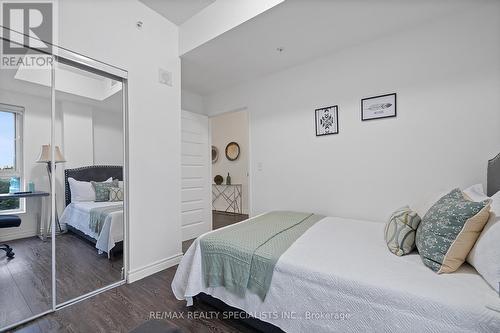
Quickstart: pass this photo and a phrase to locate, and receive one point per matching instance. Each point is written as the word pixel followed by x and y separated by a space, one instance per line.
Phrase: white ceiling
pixel 177 11
pixel 306 30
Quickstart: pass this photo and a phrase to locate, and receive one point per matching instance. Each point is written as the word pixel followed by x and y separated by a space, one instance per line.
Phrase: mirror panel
pixel 25 129
pixel 90 190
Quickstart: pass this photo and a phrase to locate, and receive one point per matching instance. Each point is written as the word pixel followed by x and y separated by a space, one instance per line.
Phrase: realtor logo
pixel 28 24
pixel 27 35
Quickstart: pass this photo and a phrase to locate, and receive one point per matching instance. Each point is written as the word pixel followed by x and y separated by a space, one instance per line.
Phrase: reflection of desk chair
pixel 9 221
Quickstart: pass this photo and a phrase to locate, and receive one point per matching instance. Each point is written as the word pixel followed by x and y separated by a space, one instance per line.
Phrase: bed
pixel 350 282
pixel 76 215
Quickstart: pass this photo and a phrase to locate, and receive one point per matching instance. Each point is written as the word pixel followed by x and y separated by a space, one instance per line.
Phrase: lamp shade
pixel 45 155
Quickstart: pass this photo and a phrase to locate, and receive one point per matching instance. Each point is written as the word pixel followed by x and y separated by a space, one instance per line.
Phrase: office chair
pixel 9 221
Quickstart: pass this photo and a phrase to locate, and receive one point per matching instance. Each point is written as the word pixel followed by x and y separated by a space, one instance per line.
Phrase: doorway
pixel 213 148
pixel 229 135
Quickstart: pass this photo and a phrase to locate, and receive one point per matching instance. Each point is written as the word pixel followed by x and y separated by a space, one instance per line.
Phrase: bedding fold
pixel 243 257
pixel 98 216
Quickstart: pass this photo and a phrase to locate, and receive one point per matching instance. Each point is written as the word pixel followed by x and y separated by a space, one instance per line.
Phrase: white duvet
pixel 77 215
pixel 339 276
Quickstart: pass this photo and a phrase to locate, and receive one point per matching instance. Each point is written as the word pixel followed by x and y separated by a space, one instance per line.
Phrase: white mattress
pixel 77 215
pixel 340 277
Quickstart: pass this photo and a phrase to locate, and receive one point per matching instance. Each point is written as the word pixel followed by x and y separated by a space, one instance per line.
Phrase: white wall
pixel 192 102
pixel 106 30
pixel 226 128
pixel 108 137
pixel 78 139
pixel 447 77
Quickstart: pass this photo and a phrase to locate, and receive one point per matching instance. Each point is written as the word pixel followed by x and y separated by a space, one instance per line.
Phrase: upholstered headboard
pixel 493 175
pixel 98 173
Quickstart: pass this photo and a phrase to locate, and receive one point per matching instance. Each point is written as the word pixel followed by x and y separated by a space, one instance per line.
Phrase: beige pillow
pixel 115 194
pixel 400 231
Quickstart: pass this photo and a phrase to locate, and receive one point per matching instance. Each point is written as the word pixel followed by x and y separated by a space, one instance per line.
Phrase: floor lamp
pixel 45 158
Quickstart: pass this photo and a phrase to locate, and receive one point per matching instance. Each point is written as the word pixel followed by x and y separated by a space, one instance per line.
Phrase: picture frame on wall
pixel 377 107
pixel 327 120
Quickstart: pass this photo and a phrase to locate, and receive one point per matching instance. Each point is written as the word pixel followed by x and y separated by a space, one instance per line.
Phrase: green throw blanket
pixel 98 216
pixel 243 256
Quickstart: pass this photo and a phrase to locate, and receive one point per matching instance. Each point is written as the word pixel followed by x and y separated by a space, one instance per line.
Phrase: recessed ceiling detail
pixel 177 11
pixel 71 81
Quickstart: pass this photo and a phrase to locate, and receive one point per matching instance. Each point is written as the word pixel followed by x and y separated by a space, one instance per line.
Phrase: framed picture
pixel 383 106
pixel 327 120
pixel 232 151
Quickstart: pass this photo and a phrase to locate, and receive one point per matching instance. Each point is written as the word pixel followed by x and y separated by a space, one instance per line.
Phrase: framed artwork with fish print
pixel 327 120
pixel 383 106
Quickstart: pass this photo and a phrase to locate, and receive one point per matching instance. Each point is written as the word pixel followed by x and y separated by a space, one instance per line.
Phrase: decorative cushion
pixel 102 190
pixel 115 194
pixel 400 231
pixel 485 255
pixel 449 230
pixel 81 190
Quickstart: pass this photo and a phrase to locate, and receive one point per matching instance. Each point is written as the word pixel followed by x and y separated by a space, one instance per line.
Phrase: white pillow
pixel 485 255
pixel 476 192
pixel 82 191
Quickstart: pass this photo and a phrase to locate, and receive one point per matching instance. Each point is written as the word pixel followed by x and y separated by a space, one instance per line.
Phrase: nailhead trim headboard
pixel 98 173
pixel 493 175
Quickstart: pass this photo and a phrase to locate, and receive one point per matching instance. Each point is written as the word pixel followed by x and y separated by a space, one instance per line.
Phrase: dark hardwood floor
pixel 80 269
pixel 219 220
pixel 26 280
pixel 126 307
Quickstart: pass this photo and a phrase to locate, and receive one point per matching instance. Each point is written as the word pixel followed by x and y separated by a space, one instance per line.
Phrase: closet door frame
pixel 62 55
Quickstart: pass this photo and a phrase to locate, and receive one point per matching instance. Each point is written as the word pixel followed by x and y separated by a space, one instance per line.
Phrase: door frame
pixel 249 161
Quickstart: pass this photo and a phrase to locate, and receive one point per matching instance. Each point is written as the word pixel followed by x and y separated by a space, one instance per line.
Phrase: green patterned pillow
pixel 400 231
pixel 449 230
pixel 115 194
pixel 102 189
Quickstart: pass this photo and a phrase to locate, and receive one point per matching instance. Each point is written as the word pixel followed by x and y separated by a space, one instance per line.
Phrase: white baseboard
pixel 5 237
pixel 155 267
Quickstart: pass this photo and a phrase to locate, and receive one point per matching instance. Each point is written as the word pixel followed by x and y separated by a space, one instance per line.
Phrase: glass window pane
pixel 8 204
pixel 7 140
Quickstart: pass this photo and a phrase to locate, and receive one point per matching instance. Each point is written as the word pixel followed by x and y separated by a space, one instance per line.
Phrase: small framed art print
pixel 327 120
pixel 383 106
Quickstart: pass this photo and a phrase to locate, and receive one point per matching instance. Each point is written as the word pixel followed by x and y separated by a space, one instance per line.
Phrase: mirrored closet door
pixel 63 182
pixel 89 190
pixel 25 193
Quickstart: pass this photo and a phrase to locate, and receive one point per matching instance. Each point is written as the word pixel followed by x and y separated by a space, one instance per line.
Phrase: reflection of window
pixel 11 154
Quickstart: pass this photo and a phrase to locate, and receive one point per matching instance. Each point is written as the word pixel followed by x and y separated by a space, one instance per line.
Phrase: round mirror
pixel 215 154
pixel 232 151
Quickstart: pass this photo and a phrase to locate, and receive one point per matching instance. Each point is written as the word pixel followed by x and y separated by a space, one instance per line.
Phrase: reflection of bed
pixel 338 276
pixel 76 215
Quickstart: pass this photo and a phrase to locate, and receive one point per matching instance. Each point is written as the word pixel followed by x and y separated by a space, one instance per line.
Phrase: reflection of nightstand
pixel 230 195
pixel 37 194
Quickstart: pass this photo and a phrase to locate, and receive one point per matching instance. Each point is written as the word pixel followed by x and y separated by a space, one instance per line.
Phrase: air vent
pixel 165 77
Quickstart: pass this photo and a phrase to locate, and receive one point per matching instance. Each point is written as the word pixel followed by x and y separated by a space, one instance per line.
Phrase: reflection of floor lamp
pixel 45 158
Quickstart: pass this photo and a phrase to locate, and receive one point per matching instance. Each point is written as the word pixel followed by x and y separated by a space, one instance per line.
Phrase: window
pixel 11 155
